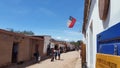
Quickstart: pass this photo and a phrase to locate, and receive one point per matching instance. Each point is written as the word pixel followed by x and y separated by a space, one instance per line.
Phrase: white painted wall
pixel 52 45
pixel 46 43
pixel 99 26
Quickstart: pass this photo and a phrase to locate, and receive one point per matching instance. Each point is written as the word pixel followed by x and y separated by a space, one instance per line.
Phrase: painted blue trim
pixel 109 38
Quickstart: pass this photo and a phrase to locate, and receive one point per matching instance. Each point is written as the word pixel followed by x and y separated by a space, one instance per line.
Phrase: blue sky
pixel 43 17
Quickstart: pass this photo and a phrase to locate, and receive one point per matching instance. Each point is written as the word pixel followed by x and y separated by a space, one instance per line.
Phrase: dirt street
pixel 68 60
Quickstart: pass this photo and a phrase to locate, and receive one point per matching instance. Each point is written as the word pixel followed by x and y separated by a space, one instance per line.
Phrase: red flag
pixel 71 22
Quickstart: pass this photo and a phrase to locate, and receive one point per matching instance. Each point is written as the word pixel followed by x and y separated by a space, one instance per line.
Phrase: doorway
pixel 37 47
pixel 15 52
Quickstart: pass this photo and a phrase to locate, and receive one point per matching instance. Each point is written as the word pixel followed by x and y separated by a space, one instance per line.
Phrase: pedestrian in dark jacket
pixel 37 56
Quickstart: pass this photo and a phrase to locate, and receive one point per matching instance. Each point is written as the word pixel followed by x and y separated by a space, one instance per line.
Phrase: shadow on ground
pixel 24 64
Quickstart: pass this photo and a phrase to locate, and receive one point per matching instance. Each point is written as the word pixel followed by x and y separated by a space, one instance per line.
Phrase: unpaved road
pixel 68 60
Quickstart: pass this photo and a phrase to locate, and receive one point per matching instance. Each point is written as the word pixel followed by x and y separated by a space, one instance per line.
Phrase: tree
pixel 10 29
pixel 25 32
pixel 21 32
pixel 77 44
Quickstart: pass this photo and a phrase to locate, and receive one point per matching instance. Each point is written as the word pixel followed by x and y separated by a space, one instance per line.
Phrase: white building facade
pixel 93 24
pixel 46 43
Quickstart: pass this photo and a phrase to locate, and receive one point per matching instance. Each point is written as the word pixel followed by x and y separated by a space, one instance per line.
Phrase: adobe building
pixel 15 47
pixel 46 42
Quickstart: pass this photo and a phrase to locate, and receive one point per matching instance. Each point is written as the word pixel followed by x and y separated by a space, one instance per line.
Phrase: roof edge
pixel 87 4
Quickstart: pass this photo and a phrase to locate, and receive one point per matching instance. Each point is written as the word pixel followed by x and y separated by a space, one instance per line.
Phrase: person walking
pixel 57 52
pixel 52 53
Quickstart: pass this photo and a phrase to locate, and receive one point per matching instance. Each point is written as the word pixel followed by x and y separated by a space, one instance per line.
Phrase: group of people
pixel 53 50
pixel 55 53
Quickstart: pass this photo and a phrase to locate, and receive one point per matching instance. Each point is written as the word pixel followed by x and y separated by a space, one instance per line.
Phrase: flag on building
pixel 71 22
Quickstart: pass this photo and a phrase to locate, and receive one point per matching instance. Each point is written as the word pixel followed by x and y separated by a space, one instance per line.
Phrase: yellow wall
pixel 107 61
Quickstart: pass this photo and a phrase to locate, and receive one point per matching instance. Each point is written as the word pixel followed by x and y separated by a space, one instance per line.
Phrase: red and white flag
pixel 71 22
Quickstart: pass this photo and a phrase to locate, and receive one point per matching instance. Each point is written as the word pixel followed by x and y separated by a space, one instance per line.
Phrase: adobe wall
pixel 26 47
pixel 24 50
pixel 5 49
